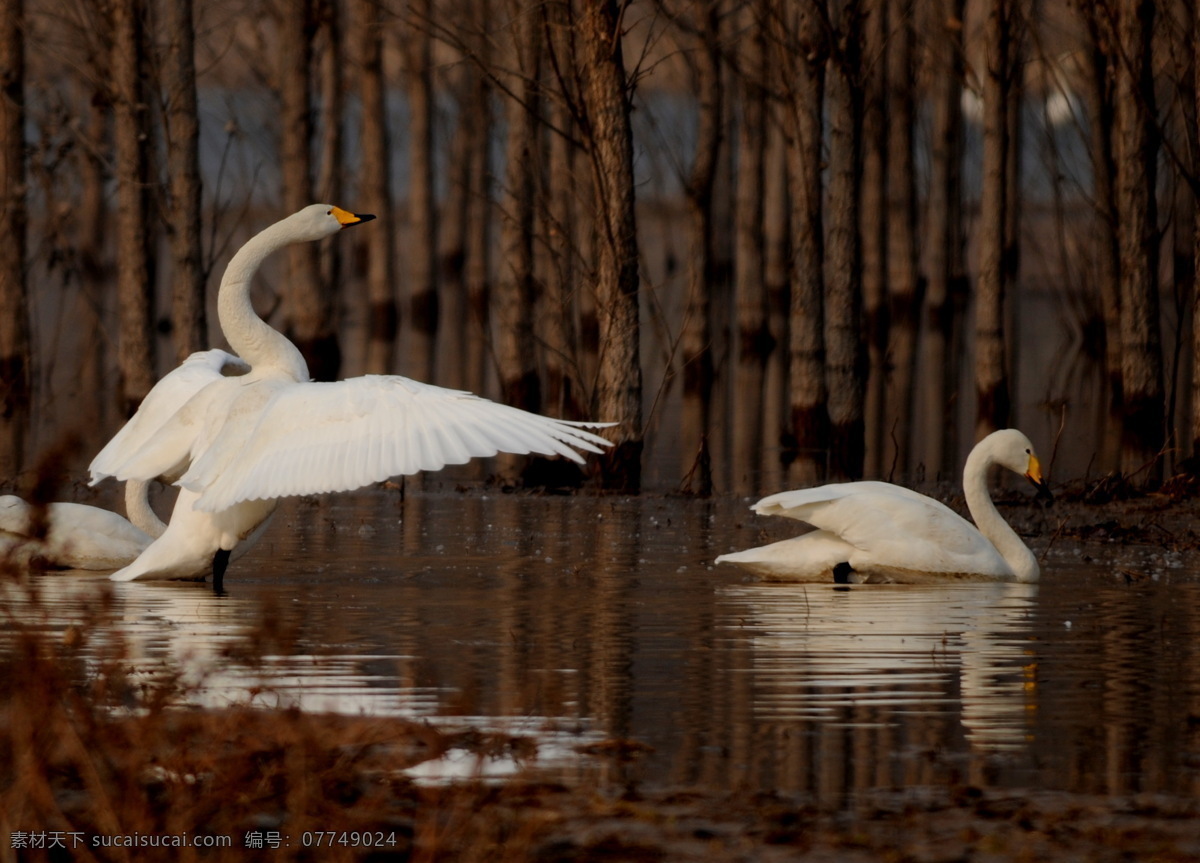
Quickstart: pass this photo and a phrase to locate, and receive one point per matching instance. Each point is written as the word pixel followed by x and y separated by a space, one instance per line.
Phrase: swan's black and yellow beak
pixel 1034 475
pixel 346 218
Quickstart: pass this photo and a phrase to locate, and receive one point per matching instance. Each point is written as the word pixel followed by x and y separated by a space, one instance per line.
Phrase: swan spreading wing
pixel 279 438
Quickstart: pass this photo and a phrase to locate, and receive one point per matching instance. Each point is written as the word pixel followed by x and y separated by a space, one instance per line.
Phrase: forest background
pixel 776 241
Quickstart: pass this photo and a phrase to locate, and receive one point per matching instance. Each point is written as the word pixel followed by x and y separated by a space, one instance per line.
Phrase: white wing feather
pixel 293 439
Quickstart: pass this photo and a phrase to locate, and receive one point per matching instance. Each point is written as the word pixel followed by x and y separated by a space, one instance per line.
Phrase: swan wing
pixel 891 526
pixel 306 438
pixel 160 408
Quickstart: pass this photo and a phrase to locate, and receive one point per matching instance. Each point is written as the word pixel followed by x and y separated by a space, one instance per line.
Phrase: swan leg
pixel 220 563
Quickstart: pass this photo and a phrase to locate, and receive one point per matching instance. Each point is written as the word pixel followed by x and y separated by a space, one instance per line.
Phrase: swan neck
pixel 989 521
pixel 252 338
pixel 139 511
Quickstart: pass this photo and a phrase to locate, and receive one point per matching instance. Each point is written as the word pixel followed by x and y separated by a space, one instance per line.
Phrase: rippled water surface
pixel 576 622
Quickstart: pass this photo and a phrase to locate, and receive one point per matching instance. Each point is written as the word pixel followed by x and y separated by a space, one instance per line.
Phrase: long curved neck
pixel 252 338
pixel 139 511
pixel 989 521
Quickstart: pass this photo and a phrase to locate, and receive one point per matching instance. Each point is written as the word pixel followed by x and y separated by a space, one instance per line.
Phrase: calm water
pixel 577 620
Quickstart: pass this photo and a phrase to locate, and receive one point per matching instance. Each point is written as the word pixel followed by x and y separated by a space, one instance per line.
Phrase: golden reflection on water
pixel 574 620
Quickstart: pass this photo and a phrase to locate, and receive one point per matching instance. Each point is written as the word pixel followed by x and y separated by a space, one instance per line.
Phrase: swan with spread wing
pixel 242 442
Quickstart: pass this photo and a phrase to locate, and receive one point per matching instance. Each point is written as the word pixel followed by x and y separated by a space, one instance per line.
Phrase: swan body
pixel 77 536
pixel 237 444
pixel 879 532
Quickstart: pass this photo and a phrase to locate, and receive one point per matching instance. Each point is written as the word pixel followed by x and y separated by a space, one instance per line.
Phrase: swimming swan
pixel 879 532
pixel 242 442
pixel 76 536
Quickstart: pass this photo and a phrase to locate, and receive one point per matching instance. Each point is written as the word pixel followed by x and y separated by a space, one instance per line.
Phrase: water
pixel 572 623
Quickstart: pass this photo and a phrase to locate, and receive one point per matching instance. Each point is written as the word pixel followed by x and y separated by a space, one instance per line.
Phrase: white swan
pixel 876 531
pixel 75 536
pixel 240 443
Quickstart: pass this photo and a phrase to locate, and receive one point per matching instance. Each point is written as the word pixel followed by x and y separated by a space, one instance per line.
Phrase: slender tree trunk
pixel 308 303
pixel 452 236
pixel 183 166
pixel 845 354
pixel 873 217
pixel 376 189
pixel 904 282
pixel 560 251
pixel 777 228
pixel 806 369
pixel 1195 415
pixel 514 299
pixel 422 261
pixel 477 260
pixel 695 342
pixel 15 360
pixel 135 354
pixel 329 55
pixel 750 285
pixel 603 90
pixel 991 360
pixel 1105 258
pixel 1136 147
pixel 940 342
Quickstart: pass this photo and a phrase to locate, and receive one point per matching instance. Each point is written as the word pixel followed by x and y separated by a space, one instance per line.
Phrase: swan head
pixel 317 221
pixel 1013 450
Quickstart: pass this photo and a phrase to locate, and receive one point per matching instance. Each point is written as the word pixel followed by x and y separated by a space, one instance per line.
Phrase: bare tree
pixel 695 341
pixel 15 359
pixel 375 188
pixel 803 48
pixel 135 353
pixel 182 131
pixel 515 293
pixel 845 357
pixel 904 283
pixel 750 284
pixel 991 354
pixel 873 214
pixel 1195 154
pixel 309 308
pixel 422 261
pixel 1136 152
pixel 941 338
pixel 605 127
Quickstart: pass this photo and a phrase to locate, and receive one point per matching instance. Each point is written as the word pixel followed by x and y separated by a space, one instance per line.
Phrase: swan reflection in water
pixel 885 656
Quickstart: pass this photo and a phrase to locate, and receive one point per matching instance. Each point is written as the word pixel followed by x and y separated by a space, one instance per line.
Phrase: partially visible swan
pixel 240 443
pixel 879 532
pixel 76 536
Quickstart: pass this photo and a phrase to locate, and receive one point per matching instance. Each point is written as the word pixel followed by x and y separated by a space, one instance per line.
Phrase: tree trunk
pixel 873 215
pixel 477 252
pixel 695 341
pixel 904 283
pixel 777 229
pixel 750 285
pixel 329 55
pixel 183 165
pixel 940 352
pixel 15 359
pixel 1195 415
pixel 422 199
pixel 135 353
pixel 991 361
pixel 375 190
pixel 515 295
pixel 1105 256
pixel 845 357
pixel 1136 146
pixel 603 91
pixel 309 319
pixel 806 52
